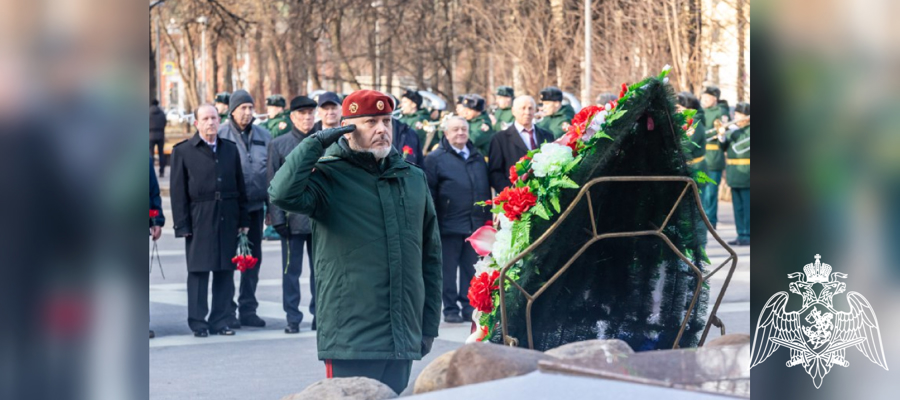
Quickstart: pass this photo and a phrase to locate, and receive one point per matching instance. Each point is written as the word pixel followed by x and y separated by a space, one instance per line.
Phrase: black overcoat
pixel 209 202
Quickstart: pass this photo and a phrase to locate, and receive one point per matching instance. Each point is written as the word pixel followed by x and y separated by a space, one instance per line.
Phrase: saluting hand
pixel 328 136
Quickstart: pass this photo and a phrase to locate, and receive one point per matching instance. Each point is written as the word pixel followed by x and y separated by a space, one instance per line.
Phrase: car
pixel 179 116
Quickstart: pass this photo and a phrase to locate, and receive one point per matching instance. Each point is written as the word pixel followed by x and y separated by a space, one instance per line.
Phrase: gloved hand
pixel 427 341
pixel 328 136
pixel 282 230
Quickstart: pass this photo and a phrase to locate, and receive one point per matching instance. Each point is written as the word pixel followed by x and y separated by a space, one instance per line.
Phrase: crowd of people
pixel 380 204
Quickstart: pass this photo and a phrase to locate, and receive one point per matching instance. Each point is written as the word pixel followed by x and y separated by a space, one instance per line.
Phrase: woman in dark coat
pixel 209 205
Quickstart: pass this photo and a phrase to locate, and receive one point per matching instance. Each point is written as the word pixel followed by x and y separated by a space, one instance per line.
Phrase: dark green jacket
pixel 377 249
pixel 504 118
pixel 737 144
pixel 715 158
pixel 224 118
pixel 555 122
pixel 695 147
pixel 481 133
pixel 416 121
pixel 279 125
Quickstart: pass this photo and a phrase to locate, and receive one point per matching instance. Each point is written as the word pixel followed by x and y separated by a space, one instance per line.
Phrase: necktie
pixel 530 133
pixel 464 154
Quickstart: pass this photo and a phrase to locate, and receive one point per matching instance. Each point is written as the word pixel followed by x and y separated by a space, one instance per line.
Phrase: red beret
pixel 366 103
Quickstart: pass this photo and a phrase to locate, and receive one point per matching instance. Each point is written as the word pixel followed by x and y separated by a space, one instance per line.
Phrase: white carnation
pixel 484 265
pixel 502 250
pixel 551 160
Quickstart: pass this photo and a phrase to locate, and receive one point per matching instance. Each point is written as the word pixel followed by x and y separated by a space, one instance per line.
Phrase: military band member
pixel 503 116
pixel 737 170
pixel 556 115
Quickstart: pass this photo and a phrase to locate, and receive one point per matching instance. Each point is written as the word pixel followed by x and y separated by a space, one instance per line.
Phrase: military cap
pixel 713 90
pixel 301 102
pixel 329 97
pixel 413 96
pixel 275 100
pixel 505 91
pixel 223 97
pixel 474 101
pixel 460 99
pixel 551 93
pixel 743 108
pixel 366 103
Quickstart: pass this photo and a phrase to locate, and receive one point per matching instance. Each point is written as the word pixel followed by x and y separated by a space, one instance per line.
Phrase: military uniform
pixel 559 121
pixel 281 123
pixel 223 97
pixel 417 121
pixel 503 117
pixel 715 163
pixel 737 173
pixel 377 250
pixel 696 149
pixel 480 130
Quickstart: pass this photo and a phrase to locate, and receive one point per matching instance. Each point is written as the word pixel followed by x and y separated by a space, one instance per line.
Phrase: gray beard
pixel 379 153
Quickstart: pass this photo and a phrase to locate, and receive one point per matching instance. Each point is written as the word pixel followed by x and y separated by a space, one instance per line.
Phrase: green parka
pixel 377 249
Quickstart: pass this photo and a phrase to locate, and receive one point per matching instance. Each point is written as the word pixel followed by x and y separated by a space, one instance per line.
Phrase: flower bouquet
pixel 243 259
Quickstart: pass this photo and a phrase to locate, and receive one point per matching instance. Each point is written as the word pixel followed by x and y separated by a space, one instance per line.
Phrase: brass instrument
pixel 721 128
pixel 431 128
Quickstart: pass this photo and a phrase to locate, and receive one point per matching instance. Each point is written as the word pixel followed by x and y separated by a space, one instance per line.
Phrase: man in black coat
pixel 514 142
pixel 293 228
pixel 209 208
pixel 406 141
pixel 458 178
pixel 158 134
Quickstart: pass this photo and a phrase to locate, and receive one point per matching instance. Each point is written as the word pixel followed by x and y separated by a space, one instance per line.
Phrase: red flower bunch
pixel 243 259
pixel 624 90
pixel 244 262
pixel 481 290
pixel 514 201
pixel 513 175
pixel 688 124
pixel 582 117
pixel 407 150
pixel 154 213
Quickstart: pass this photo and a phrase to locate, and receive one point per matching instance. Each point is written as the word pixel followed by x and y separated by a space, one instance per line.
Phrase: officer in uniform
pixel 696 145
pixel 736 142
pixel 412 114
pixel 557 116
pixel 715 158
pixel 222 99
pixel 480 130
pixel 503 116
pixel 377 243
pixel 279 121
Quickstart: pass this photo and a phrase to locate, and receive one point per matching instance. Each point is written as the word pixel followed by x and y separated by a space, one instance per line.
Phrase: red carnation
pixel 624 90
pixel 407 150
pixel 481 290
pixel 516 201
pixel 154 213
pixel 513 176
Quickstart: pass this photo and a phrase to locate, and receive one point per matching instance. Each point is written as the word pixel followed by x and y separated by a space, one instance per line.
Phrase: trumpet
pixel 431 128
pixel 721 128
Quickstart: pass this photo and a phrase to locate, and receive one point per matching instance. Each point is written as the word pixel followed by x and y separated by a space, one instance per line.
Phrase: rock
pixel 434 376
pixel 483 362
pixel 730 339
pixel 356 388
pixel 611 350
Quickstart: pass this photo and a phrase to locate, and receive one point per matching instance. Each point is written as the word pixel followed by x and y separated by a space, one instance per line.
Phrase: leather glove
pixel 427 341
pixel 328 136
pixel 282 230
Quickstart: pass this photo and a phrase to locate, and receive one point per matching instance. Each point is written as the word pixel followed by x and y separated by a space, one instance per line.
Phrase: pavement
pixel 266 363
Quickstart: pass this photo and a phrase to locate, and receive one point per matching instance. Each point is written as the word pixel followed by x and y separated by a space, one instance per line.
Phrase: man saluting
pixel 377 244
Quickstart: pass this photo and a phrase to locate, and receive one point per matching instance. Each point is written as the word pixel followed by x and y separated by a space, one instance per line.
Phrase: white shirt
pixel 464 152
pixel 212 145
pixel 525 136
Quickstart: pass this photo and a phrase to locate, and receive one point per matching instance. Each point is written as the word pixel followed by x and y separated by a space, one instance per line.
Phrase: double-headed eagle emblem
pixel 817 334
